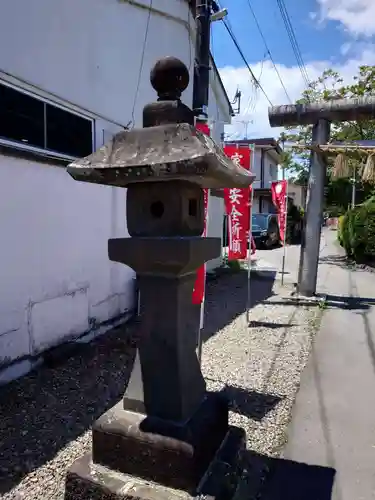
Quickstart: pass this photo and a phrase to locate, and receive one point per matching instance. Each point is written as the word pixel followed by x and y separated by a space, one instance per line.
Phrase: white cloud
pixel 346 48
pixel 357 16
pixel 257 117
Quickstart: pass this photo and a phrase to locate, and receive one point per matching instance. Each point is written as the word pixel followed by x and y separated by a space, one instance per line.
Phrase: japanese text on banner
pixel 237 207
pixel 279 195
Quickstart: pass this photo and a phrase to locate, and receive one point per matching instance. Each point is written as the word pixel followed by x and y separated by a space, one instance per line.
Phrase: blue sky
pixel 316 42
pixel 331 33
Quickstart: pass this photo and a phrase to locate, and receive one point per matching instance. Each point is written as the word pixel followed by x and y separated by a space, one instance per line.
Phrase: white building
pixel 69 74
pixel 265 165
pixel 297 193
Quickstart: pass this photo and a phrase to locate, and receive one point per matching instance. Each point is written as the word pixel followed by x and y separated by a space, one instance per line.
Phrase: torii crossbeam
pixel 320 115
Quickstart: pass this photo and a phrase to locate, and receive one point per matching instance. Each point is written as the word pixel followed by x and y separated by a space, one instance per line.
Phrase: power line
pixel 256 81
pixel 251 103
pixel 268 50
pixel 142 60
pixel 293 40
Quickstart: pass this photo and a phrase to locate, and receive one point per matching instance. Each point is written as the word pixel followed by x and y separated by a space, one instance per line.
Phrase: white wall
pixel 256 168
pixel 270 174
pixel 56 279
pixel 270 170
pixel 256 204
pixel 218 117
pixel 297 193
pixel 89 51
pixel 215 226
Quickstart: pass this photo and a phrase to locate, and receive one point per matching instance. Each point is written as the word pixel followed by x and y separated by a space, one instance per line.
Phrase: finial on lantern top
pixel 169 77
pixel 168 148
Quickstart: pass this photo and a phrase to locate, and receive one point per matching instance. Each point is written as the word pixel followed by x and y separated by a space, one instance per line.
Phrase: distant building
pixel 297 193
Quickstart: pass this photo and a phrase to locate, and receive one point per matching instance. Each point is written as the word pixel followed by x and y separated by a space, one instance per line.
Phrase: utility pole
pixel 206 12
pixel 202 59
pixel 245 123
pixel 320 115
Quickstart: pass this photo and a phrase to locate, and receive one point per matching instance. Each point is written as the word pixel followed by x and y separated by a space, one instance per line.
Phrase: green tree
pixel 289 163
pixel 327 87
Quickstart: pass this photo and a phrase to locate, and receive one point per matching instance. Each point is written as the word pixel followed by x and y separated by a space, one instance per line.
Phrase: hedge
pixel 340 228
pixel 357 232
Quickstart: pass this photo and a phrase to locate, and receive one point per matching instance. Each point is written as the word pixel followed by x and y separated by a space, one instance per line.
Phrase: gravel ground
pixel 45 417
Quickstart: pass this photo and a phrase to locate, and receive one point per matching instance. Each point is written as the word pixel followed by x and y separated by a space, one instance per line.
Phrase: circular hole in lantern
pixel 193 207
pixel 157 209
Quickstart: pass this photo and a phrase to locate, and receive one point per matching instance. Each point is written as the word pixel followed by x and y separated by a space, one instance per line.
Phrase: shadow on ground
pixel 269 325
pixel 228 299
pixel 331 301
pixel 335 260
pixel 280 479
pixel 250 404
pixel 345 263
pixel 44 411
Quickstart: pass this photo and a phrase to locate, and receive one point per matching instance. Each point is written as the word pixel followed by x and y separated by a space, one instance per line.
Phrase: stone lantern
pixel 160 441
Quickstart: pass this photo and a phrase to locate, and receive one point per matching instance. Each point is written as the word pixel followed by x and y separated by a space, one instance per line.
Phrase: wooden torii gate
pixel 320 115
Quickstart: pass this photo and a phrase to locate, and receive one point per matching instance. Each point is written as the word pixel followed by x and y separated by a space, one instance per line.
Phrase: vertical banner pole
pixel 248 301
pixel 205 129
pixel 201 312
pixel 285 231
pixel 226 239
pixel 225 223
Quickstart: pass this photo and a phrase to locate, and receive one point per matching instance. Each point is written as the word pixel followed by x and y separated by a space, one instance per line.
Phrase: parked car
pixel 265 230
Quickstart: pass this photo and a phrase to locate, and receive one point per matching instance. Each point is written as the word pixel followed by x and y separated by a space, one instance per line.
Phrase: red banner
pixel 237 206
pixel 279 194
pixel 200 280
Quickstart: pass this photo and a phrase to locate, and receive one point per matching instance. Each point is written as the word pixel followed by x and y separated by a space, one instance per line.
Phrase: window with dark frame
pixel 31 121
pixel 68 133
pixel 21 117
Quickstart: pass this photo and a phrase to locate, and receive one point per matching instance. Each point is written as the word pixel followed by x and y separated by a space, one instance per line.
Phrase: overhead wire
pixel 251 104
pixel 268 50
pixel 237 45
pixel 189 38
pixel 142 61
pixel 262 66
pixel 293 40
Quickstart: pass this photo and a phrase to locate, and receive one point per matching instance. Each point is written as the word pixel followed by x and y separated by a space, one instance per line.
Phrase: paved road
pixel 272 260
pixel 333 421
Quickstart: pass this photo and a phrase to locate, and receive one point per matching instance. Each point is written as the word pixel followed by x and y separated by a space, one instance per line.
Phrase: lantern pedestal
pixel 161 440
pixel 166 382
pixel 87 480
pixel 168 429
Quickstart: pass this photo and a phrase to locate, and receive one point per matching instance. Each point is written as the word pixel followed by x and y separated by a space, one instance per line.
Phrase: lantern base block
pixel 88 480
pixel 129 446
pixel 172 453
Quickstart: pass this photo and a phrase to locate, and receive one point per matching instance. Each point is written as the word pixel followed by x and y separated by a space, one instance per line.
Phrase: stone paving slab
pixel 333 421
